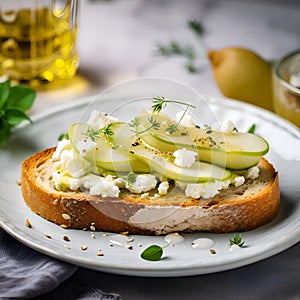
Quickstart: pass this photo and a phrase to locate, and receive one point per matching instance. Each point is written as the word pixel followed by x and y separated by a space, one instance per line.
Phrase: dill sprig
pixel 93 134
pixel 160 102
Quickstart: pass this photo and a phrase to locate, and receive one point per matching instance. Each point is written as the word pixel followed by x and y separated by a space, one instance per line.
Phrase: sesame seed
pixel 212 251
pixel 48 236
pixel 66 216
pixel 55 201
pixel 63 226
pixel 100 253
pixel 27 222
pixel 129 247
pixel 93 228
pixel 104 234
pixel 83 248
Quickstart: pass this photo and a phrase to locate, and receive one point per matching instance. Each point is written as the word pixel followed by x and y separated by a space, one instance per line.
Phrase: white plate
pixel 180 260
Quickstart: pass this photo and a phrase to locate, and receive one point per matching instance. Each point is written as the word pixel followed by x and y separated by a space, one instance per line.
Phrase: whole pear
pixel 243 75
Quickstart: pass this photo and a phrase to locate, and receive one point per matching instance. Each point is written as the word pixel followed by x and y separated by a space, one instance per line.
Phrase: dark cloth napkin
pixel 26 273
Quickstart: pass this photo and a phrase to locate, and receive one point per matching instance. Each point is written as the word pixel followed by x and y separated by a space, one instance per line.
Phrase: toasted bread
pixel 236 209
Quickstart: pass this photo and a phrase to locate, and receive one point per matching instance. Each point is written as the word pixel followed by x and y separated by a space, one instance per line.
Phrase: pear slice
pixel 162 163
pixel 104 155
pixel 232 150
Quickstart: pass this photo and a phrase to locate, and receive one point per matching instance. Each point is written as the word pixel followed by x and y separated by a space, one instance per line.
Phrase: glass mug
pixel 286 87
pixel 38 41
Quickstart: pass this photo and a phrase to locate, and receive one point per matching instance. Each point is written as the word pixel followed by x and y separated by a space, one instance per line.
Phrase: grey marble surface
pixel 117 42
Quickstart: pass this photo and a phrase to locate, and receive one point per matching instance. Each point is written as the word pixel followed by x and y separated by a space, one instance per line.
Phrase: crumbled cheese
pixel 238 181
pixel 163 188
pixel 61 146
pixel 97 185
pixel 143 183
pixel 73 164
pixel 103 186
pixel 184 158
pixel 144 195
pixel 84 146
pixel 99 120
pixel 227 126
pixel 205 190
pixel 252 173
pixel 186 121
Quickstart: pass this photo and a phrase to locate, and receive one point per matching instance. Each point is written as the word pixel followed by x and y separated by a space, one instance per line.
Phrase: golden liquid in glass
pixel 38 47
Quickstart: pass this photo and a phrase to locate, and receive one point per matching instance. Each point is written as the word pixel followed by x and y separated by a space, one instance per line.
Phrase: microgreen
pixel 252 129
pixel 236 240
pixel 93 134
pixel 136 121
pixel 153 252
pixel 196 27
pixel 14 101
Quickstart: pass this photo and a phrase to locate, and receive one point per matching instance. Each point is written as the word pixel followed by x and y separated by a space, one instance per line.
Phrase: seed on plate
pixel 104 234
pixel 124 232
pixel 66 238
pixel 18 182
pixel 129 247
pixel 212 251
pixel 83 248
pixel 93 228
pixel 100 253
pixel 63 226
pixel 48 236
pixel 28 224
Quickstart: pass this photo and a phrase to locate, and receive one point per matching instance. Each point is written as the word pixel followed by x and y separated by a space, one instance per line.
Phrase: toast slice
pixel 236 209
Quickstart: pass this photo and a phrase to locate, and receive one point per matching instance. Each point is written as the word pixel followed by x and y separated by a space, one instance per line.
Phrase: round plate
pixel 180 259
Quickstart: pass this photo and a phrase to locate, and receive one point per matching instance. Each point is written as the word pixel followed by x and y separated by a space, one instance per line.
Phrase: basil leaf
pixel 15 116
pixel 20 97
pixel 152 253
pixel 4 92
pixel 4 133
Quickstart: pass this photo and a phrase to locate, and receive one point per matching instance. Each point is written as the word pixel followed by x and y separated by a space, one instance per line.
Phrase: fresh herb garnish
pixel 174 48
pixel 236 240
pixel 136 122
pixel 130 177
pixel 160 102
pixel 93 134
pixel 63 136
pixel 14 101
pixel 153 252
pixel 252 129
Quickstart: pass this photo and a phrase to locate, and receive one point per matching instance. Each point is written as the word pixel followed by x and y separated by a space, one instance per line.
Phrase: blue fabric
pixel 26 273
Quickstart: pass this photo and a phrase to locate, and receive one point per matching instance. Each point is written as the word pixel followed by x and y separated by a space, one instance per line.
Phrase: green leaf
pixel 63 136
pixel 20 97
pixel 252 129
pixel 4 92
pixel 152 253
pixel 4 132
pixel 14 116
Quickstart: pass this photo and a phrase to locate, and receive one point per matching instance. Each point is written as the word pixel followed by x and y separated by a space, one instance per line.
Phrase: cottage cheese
pixel 184 158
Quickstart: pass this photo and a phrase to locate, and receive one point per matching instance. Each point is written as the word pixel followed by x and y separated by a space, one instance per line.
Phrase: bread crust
pixel 130 213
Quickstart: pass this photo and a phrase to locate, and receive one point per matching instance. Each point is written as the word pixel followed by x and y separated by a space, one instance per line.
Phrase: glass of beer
pixel 286 87
pixel 38 41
